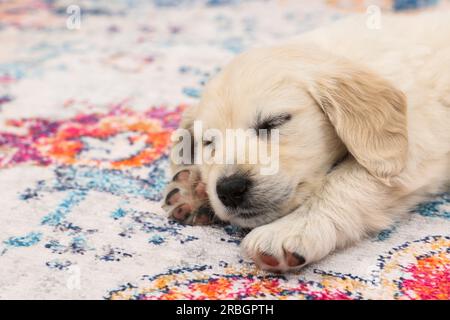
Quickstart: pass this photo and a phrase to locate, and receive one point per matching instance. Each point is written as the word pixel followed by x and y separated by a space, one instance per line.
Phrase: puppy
pixel 363 119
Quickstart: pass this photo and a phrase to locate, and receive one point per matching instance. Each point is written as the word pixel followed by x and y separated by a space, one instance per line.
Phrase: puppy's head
pixel 323 107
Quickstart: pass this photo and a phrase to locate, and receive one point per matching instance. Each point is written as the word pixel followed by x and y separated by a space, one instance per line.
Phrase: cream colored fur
pixel 382 95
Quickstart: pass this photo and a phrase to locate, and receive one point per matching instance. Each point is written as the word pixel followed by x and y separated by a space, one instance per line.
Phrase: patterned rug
pixel 87 106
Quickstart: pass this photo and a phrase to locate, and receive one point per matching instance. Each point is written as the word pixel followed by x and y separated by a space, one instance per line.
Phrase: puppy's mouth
pixel 257 209
pixel 253 218
pixel 247 214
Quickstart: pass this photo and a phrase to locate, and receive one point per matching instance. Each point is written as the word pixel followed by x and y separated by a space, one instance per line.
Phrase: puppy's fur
pixel 368 138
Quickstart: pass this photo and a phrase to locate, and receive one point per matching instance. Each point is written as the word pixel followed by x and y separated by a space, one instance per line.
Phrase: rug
pixel 90 92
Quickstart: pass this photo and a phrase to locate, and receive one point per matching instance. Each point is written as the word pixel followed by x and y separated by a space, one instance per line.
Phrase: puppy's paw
pixel 186 200
pixel 272 250
pixel 286 245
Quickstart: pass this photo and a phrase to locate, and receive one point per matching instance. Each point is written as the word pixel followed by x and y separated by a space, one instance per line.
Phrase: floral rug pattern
pixel 87 107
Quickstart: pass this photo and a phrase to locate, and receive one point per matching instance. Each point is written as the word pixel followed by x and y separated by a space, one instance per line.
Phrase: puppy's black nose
pixel 232 190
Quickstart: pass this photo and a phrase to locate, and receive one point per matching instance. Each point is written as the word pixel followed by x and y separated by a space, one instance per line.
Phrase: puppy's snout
pixel 232 190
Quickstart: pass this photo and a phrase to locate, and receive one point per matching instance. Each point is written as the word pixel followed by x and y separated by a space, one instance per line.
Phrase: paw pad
pixel 269 260
pixel 290 260
pixel 186 199
pixel 293 259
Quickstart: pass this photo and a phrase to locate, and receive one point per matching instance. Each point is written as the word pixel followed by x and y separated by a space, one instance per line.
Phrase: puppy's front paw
pixel 185 199
pixel 286 245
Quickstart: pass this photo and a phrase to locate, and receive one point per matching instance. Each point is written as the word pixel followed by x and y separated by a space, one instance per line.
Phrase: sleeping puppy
pixel 363 119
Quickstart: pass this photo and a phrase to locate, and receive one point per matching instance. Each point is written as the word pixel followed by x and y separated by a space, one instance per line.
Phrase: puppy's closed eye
pixel 271 122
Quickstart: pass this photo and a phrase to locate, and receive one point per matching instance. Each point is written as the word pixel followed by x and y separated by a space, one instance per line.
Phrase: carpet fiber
pixel 87 107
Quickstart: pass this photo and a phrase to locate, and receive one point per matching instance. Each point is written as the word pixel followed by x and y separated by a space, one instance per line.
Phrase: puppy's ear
pixel 188 118
pixel 369 116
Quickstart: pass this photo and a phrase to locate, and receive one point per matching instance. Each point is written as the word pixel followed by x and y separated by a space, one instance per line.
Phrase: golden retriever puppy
pixel 363 117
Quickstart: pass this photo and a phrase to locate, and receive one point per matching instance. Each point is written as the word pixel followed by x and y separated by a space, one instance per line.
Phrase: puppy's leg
pixel 346 207
pixel 185 198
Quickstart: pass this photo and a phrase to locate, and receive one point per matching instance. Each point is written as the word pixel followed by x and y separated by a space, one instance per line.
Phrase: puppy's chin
pixel 258 219
pixel 263 212
pixel 245 218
